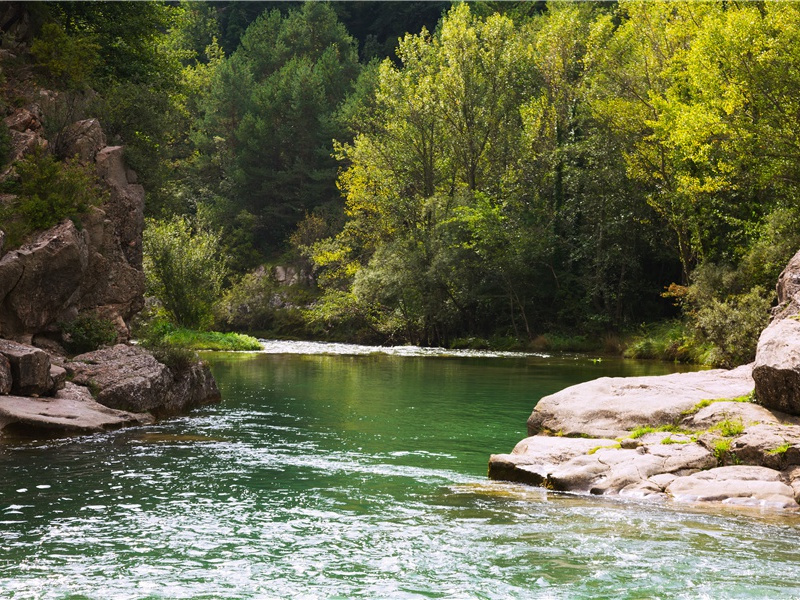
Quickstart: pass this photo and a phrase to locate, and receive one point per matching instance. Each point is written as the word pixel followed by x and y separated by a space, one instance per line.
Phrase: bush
pixel 70 60
pixel 184 270
pixel 47 192
pixel 86 333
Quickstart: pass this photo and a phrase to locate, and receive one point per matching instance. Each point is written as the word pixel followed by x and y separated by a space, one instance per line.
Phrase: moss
pixel 729 427
pixel 722 449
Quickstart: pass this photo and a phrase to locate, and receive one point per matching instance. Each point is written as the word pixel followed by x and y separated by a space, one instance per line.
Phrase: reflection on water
pixel 342 476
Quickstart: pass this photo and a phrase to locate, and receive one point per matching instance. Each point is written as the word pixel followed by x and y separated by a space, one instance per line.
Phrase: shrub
pixel 87 332
pixel 47 192
pixel 184 270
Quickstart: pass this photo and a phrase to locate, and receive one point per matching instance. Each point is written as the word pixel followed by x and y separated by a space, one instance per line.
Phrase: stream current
pixel 334 471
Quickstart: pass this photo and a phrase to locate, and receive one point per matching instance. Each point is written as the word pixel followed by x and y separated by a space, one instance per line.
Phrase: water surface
pixel 358 475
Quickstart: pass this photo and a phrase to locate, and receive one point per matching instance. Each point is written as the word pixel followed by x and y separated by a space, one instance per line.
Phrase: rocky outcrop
pixel 95 268
pixel 613 406
pixel 129 378
pixel 777 368
pixel 71 411
pixel 109 388
pixel 705 437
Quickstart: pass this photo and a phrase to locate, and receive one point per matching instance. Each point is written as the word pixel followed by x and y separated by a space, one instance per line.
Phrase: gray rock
pixel 82 140
pixel 72 411
pixel 130 378
pixel 777 368
pixel 788 290
pixel 774 446
pixel 612 407
pixel 741 484
pixel 610 471
pixel 30 369
pixel 747 412
pixel 534 458
pixel 5 376
pixel 58 378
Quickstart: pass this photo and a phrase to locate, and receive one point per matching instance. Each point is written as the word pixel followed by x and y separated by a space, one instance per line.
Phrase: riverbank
pixel 712 436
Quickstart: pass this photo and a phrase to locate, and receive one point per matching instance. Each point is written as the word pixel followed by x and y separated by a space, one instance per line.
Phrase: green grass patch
pixel 729 427
pixel 721 449
pixel 669 341
pixel 751 397
pixel 644 430
pixel 610 447
pixel 209 340
pixel 782 449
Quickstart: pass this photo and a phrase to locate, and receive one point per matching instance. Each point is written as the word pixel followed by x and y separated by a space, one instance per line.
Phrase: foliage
pixel 782 449
pixel 184 270
pixel 730 427
pixel 70 60
pixel 87 332
pixel 47 191
pixel 271 112
pixel 249 304
pixel 209 340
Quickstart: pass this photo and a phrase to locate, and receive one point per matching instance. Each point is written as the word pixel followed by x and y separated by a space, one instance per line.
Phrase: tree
pixel 184 270
pixel 273 106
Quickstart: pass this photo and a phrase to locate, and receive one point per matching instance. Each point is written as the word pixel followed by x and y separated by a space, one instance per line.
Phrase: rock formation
pixel 96 268
pixel 710 436
pixel 69 270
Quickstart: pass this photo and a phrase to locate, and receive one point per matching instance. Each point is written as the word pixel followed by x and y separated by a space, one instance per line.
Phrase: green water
pixel 358 477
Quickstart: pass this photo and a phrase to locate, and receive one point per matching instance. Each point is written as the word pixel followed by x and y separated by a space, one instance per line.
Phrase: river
pixel 356 473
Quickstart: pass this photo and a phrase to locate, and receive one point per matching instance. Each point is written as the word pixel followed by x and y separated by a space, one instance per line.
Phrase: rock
pixel 59 257
pixel 534 458
pixel 130 378
pixel 777 368
pixel 610 471
pixel 740 484
pixel 788 290
pixel 774 446
pixel 611 407
pixel 5 376
pixel 21 120
pixel 746 412
pixel 2 241
pixel 58 378
pixel 30 369
pixel 72 411
pixel 82 140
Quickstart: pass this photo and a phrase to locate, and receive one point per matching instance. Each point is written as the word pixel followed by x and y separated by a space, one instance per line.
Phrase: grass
pixel 209 340
pixel 611 447
pixel 782 449
pixel 644 430
pixel 721 449
pixel 670 341
pixel 750 397
pixel 729 427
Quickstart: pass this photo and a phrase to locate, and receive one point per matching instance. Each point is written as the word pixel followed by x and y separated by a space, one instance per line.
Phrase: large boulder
pixel 129 378
pixel 611 407
pixel 777 368
pixel 788 290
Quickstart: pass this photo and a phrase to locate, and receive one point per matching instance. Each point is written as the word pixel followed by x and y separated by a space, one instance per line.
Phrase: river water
pixel 355 473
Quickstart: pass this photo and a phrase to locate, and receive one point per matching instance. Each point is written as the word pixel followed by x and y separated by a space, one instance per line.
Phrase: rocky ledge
pixel 110 388
pixel 710 436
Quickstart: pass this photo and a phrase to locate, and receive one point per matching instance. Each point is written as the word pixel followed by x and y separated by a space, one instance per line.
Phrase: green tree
pixel 272 106
pixel 184 270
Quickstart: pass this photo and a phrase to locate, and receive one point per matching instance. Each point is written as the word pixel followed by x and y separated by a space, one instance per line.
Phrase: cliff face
pixel 66 270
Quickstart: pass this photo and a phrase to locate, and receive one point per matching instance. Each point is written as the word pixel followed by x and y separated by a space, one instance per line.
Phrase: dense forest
pixel 523 175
